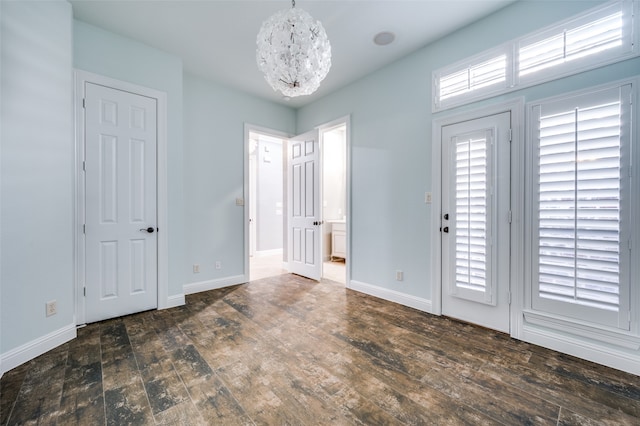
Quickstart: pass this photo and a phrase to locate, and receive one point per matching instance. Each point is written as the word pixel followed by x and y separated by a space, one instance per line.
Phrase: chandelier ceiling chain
pixel 293 52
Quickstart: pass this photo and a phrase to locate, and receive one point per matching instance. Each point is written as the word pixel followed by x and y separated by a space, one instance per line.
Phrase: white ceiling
pixel 216 39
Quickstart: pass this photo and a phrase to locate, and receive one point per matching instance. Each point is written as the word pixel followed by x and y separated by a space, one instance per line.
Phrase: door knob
pixel 446 216
pixel 445 229
pixel 149 230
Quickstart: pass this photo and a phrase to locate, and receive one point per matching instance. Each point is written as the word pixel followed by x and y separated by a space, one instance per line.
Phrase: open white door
pixel 304 208
pixel 121 204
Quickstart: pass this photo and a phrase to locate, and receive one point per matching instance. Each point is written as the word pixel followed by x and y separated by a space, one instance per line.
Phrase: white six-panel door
pixel 475 221
pixel 120 210
pixel 304 217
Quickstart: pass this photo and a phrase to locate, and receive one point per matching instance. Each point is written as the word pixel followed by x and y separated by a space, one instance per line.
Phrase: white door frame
pixel 81 78
pixel 516 108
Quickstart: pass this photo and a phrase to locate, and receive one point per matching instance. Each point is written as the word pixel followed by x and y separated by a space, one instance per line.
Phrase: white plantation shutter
pixel 471 214
pixel 470 206
pixel 581 207
pixel 585 42
pixel 474 77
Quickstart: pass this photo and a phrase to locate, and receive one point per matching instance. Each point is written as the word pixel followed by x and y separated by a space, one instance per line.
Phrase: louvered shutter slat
pixel 572 44
pixel 579 163
pixel 471 211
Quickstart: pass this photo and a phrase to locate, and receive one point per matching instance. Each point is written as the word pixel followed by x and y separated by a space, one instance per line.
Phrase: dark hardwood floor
pixel 286 350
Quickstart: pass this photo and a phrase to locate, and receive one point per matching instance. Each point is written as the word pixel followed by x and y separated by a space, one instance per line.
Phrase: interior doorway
pixel 266 206
pixel 267 201
pixel 334 202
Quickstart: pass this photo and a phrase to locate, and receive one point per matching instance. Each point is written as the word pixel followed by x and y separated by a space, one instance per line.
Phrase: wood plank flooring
pixel 286 350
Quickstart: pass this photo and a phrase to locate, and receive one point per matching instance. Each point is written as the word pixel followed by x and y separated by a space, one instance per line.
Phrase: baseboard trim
pixel 580 348
pixel 391 295
pixel 261 253
pixel 174 301
pixel 197 287
pixel 37 347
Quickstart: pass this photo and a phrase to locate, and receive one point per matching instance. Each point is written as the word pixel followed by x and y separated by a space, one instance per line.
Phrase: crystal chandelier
pixel 293 52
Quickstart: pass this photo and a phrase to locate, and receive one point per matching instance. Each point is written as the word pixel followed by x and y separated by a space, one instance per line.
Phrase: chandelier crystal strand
pixel 293 52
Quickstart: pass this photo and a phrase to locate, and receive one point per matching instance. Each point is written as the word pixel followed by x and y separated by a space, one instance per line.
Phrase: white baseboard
pixel 582 348
pixel 213 284
pixel 37 347
pixel 391 295
pixel 260 253
pixel 174 301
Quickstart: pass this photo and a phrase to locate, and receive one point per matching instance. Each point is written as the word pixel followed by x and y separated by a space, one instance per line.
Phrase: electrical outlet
pixel 51 308
pixel 196 268
pixel 218 264
pixel 399 275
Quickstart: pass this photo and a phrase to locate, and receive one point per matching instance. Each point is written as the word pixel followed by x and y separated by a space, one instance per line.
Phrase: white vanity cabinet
pixel 338 240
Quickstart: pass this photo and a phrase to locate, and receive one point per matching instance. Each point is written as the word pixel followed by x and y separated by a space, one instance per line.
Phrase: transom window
pixel 598 37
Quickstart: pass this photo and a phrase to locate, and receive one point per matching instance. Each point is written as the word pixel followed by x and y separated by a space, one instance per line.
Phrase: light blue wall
pixel 111 55
pixel 391 141
pixel 214 118
pixel 37 171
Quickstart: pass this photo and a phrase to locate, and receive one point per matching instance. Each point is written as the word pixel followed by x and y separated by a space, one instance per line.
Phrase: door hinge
pixel 84 229
pixel 83 103
pixel 84 291
pixel 510 216
pixel 509 298
pixel 630 244
pixel 84 166
pixel 510 134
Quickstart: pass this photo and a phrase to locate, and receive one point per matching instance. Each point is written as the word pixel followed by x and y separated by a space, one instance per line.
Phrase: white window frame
pixel 466 64
pixel 630 49
pixel 536 321
pixel 605 57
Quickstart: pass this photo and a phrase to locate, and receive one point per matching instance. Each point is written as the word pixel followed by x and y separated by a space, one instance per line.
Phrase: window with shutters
pixel 476 77
pixel 581 206
pixel 598 37
pixel 579 44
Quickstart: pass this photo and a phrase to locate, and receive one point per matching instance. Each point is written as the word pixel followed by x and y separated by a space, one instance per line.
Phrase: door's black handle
pixel 149 230
pixel 446 216
pixel 445 229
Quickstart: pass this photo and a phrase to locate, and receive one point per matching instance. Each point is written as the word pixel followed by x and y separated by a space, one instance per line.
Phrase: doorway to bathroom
pixel 268 201
pixel 333 145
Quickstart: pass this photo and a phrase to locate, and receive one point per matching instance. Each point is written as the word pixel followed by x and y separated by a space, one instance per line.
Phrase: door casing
pixel 516 108
pixel 81 78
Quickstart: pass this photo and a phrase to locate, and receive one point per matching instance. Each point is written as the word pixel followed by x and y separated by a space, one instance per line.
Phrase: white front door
pixel 304 212
pixel 475 221
pixel 120 211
